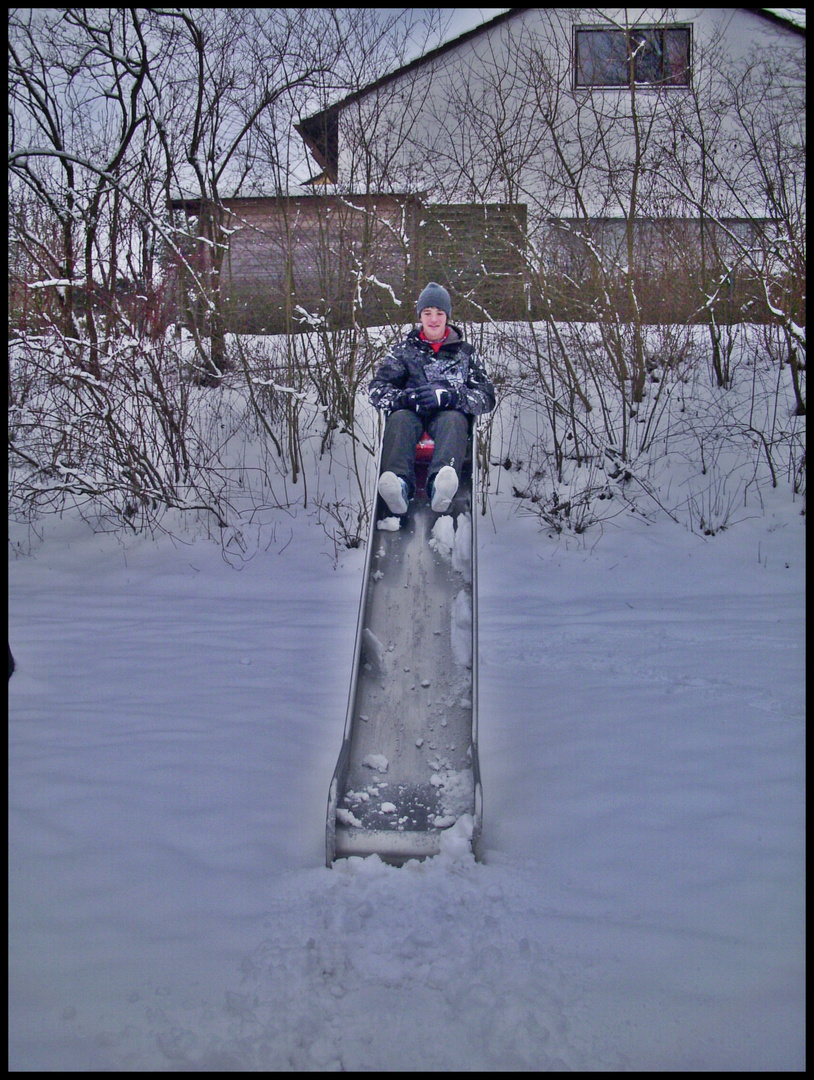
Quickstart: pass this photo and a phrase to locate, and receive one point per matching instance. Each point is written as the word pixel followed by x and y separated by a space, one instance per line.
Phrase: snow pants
pixel 449 429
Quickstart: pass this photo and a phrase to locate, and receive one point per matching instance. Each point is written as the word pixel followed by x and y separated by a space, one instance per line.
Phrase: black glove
pixel 426 399
pixel 448 398
pixel 406 400
pixel 433 396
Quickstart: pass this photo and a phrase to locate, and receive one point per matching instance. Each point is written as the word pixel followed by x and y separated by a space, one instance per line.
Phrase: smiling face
pixel 433 323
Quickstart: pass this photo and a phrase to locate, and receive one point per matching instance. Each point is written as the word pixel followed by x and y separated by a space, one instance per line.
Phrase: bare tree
pixel 114 115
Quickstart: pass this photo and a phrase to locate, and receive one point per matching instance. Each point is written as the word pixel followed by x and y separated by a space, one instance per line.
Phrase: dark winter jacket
pixel 413 362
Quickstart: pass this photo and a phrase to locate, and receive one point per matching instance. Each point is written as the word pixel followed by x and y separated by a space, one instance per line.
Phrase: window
pixel 655 56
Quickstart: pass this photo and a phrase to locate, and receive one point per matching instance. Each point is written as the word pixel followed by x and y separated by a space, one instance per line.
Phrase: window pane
pixel 677 57
pixel 659 57
pixel 601 58
pixel 648 60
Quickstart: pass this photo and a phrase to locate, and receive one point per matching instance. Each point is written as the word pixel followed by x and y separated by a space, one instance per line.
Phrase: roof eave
pixel 412 65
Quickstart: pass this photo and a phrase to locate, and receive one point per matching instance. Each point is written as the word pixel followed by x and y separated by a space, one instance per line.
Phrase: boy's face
pixel 433 323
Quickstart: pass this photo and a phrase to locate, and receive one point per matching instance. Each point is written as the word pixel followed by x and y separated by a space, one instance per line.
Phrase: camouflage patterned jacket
pixel 413 362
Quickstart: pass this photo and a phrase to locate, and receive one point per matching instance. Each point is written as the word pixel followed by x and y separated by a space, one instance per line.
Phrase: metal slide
pixel 408 767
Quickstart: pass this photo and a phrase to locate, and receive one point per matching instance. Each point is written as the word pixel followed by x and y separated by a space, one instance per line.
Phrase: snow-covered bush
pixel 121 445
pixel 143 437
pixel 289 426
pixel 579 451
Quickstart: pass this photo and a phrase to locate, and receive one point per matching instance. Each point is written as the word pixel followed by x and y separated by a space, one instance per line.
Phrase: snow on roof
pixel 795 16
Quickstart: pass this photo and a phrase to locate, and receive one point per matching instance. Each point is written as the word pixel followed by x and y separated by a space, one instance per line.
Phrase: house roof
pixel 792 17
pixel 320 131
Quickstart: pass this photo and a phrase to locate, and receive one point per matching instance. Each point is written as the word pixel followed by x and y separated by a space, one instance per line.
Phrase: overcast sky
pixel 461 20
pixel 464 19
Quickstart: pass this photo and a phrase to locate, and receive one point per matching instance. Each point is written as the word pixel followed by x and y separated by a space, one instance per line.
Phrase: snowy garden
pixel 192 460
pixel 178 705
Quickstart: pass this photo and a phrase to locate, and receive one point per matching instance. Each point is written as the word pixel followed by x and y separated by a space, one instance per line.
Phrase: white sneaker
pixel 443 489
pixel 394 492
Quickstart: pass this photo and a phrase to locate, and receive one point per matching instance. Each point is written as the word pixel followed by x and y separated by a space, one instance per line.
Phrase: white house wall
pixel 496 119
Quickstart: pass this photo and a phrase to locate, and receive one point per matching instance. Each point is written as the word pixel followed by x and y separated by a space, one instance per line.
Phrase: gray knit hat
pixel 435 295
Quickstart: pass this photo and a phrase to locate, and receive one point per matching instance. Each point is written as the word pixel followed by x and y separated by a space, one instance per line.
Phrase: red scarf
pixel 435 345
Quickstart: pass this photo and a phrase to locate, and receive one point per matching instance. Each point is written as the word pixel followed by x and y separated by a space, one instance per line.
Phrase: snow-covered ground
pixel 173 728
pixel 176 715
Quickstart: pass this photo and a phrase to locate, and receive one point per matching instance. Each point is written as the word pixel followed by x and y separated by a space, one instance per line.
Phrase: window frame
pixel 625 33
